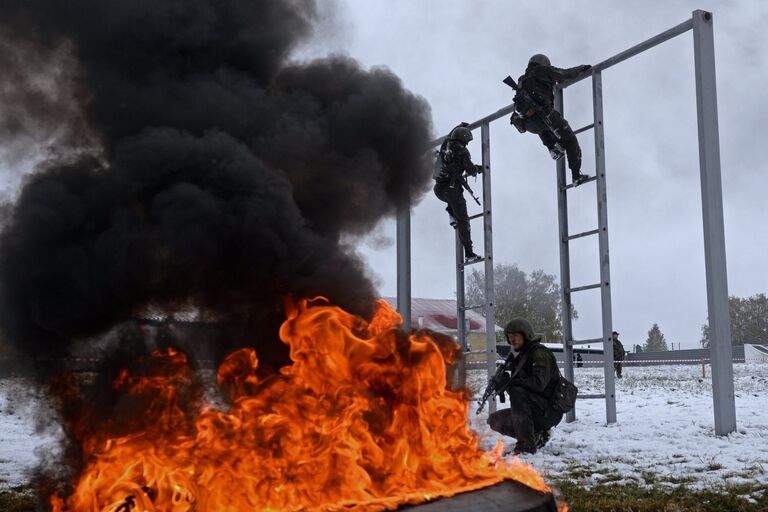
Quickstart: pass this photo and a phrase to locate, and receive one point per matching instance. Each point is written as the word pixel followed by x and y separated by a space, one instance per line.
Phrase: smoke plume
pixel 190 163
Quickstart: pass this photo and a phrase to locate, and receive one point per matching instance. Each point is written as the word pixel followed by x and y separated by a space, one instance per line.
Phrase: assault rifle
pixel 463 180
pixel 497 383
pixel 536 107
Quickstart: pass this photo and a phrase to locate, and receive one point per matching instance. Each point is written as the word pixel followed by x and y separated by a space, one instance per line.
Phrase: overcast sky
pixel 455 53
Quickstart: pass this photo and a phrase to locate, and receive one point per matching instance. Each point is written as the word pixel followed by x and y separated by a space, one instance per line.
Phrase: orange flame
pixel 361 420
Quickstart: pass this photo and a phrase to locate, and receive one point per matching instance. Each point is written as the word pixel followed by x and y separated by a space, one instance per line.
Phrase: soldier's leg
pixel 501 422
pixel 459 207
pixel 442 191
pixel 569 142
pixel 521 419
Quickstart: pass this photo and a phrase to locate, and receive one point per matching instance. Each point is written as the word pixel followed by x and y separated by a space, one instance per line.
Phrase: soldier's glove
pixel 518 122
pixel 585 68
pixel 478 169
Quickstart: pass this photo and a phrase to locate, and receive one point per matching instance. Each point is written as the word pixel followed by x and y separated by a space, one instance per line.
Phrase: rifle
pixel 463 180
pixel 497 383
pixel 527 97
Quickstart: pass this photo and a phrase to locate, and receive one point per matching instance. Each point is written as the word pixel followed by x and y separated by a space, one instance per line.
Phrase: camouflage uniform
pixel 530 414
pixel 539 81
pixel 453 161
pixel 618 354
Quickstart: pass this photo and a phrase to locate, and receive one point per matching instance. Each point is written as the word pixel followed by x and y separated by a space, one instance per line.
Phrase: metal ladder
pixel 488 305
pixel 605 272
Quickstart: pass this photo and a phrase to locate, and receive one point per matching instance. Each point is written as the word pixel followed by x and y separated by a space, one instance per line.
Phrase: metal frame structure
pixel 701 23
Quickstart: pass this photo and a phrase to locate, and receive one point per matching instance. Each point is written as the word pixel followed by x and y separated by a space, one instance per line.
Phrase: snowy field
pixel 664 434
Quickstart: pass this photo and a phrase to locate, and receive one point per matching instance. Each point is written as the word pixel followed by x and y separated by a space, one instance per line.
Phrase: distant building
pixel 439 315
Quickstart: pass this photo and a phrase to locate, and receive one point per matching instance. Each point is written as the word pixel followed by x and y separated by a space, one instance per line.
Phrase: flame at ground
pixel 361 420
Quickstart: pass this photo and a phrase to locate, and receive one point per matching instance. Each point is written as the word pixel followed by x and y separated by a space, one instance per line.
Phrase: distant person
pixel 452 162
pixel 618 353
pixel 579 361
pixel 534 377
pixel 536 109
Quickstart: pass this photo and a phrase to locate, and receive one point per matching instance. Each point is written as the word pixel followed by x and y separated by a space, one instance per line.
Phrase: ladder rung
pixel 584 128
pixel 591 178
pixel 582 288
pixel 474 262
pixel 467 308
pixel 585 233
pixel 476 216
pixel 573 343
pixel 587 397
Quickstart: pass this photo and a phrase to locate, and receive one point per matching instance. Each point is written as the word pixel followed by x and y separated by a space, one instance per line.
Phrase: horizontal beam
pixel 477 124
pixel 631 52
pixel 476 216
pixel 645 45
pixel 587 397
pixel 573 343
pixel 477 306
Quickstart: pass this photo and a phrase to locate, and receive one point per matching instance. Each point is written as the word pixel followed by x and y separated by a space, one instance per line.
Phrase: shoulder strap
pixel 520 364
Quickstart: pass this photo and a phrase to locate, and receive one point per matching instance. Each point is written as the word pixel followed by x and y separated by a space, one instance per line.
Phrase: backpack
pixel 442 158
pixel 564 395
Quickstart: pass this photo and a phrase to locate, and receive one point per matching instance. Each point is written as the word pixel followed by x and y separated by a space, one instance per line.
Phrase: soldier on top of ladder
pixel 452 161
pixel 539 83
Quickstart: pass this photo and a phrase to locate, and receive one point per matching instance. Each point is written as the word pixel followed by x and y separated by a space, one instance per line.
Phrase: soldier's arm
pixel 466 162
pixel 560 74
pixel 541 373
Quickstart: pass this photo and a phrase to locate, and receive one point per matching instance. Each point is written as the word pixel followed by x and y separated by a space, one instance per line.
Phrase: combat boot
pixel 579 178
pixel 556 152
pixel 542 438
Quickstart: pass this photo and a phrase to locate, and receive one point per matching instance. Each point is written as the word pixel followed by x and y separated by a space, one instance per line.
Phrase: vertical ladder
pixel 488 304
pixel 605 271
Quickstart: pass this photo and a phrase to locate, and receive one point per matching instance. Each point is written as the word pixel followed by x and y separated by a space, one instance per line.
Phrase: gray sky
pixel 455 53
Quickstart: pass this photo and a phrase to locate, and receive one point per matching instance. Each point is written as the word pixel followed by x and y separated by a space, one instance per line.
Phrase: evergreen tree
pixel 655 341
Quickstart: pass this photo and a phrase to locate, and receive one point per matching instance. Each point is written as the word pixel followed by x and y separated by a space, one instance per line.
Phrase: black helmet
pixel 461 134
pixel 539 59
pixel 522 326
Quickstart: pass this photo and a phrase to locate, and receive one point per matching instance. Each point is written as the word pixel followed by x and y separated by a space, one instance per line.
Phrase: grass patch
pixel 608 497
pixel 17 501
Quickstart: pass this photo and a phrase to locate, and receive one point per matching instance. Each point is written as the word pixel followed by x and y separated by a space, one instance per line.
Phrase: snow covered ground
pixel 664 434
pixel 665 430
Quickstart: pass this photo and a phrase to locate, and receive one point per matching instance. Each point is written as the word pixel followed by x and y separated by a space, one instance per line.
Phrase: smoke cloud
pixel 190 163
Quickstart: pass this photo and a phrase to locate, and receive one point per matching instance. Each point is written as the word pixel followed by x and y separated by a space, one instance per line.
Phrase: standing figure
pixel 618 353
pixel 579 361
pixel 535 111
pixel 531 388
pixel 452 162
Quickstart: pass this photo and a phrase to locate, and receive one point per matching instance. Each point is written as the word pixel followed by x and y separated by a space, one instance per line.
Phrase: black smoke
pixel 190 163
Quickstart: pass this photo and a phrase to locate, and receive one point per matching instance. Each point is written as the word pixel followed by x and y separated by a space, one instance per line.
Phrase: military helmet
pixel 522 326
pixel 539 59
pixel 461 134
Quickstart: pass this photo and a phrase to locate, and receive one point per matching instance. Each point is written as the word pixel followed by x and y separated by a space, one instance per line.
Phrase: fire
pixel 361 420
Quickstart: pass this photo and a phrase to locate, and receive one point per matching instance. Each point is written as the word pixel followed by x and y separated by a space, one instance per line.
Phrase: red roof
pixel 440 315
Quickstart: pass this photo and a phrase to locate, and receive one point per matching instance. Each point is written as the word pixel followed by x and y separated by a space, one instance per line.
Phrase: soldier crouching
pixel 531 387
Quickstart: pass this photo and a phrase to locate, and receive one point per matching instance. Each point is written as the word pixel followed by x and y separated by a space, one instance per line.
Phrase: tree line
pixel 536 296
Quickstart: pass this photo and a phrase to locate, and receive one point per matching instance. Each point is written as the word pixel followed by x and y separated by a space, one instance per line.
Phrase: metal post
pixel 565 266
pixel 490 296
pixel 605 269
pixel 461 313
pixel 404 263
pixel 714 231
